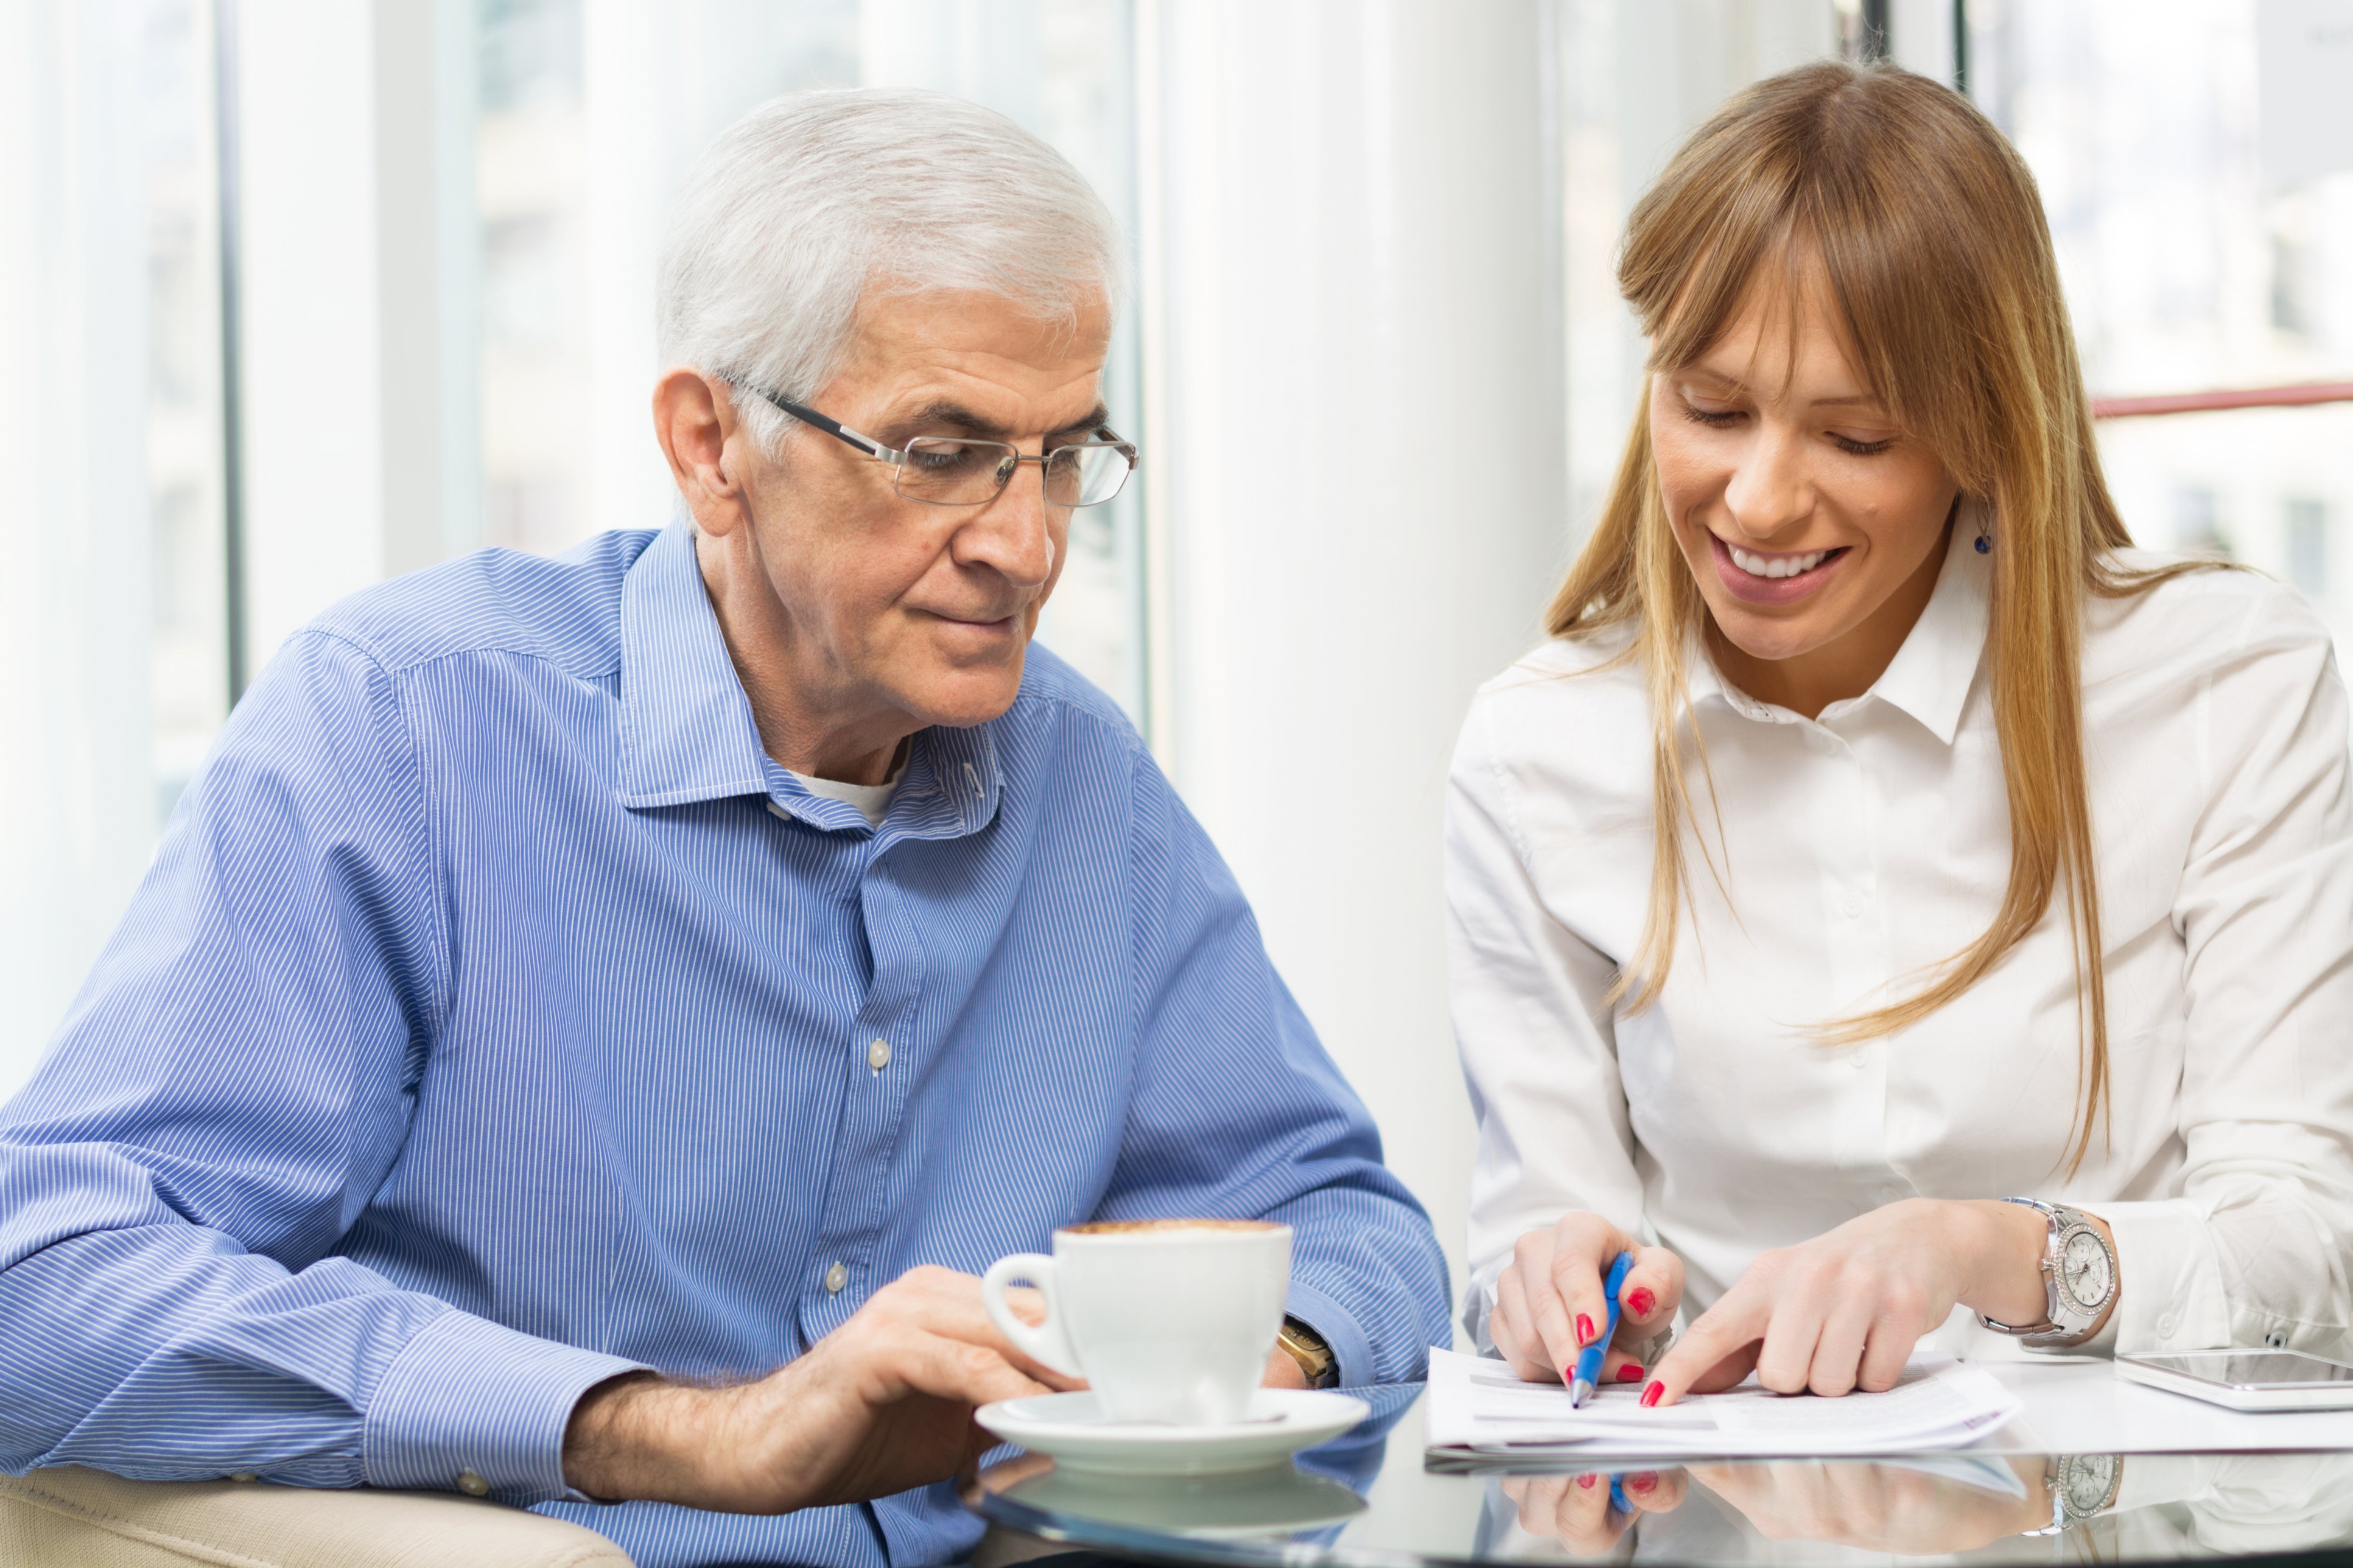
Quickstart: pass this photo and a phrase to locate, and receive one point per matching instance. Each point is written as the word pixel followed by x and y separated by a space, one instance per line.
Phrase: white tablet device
pixel 2246 1380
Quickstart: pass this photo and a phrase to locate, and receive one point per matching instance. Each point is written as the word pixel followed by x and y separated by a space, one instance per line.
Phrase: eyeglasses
pixel 949 471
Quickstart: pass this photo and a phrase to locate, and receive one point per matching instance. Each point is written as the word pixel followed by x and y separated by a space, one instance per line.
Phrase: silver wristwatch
pixel 2082 1487
pixel 2079 1280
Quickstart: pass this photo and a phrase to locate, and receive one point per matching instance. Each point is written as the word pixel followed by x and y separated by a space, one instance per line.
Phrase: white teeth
pixel 1776 565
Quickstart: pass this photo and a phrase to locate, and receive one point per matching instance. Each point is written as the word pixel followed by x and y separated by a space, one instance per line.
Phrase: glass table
pixel 1372 1498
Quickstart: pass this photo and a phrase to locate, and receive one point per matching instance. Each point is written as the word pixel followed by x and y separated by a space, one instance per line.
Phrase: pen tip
pixel 1578 1392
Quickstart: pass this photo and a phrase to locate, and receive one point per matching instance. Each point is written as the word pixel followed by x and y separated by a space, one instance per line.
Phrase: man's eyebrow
pixel 1096 420
pixel 956 417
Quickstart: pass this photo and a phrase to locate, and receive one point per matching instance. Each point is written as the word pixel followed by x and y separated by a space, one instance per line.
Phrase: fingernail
pixel 1645 1483
pixel 1630 1372
pixel 1641 1301
pixel 1651 1394
pixel 1584 1329
pixel 1586 1481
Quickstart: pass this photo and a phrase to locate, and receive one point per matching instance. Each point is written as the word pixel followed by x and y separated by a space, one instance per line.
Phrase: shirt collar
pixel 687 731
pixel 1930 675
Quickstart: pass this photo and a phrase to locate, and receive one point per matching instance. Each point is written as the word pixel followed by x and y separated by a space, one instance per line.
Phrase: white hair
pixel 809 200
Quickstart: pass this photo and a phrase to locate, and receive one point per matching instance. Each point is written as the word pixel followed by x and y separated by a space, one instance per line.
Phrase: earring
pixel 1985 543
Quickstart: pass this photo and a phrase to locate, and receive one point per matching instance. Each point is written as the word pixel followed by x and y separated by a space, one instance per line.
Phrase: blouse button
pixel 472 1484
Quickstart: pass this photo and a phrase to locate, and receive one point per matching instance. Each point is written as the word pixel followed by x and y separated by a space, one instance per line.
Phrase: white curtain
pixel 78 789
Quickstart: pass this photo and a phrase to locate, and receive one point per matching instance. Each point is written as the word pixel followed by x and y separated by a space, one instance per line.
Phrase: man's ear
pixel 694 418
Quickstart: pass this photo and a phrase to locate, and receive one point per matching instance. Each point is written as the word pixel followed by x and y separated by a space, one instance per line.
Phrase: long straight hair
pixel 1922 227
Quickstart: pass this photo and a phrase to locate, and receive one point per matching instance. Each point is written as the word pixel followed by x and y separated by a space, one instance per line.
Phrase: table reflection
pixel 1991 1507
pixel 1375 1498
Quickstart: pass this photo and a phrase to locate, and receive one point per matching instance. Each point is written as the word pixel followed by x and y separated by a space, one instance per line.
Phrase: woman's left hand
pixel 1843 1310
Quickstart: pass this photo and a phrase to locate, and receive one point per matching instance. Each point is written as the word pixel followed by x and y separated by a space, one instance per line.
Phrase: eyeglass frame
pixel 897 457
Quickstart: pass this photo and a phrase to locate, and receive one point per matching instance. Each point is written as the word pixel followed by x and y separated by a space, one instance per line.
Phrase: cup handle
pixel 1047 1342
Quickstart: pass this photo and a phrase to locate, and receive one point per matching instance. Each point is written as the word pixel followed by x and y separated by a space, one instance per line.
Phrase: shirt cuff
pixel 2169 1282
pixel 468 1405
pixel 1352 1353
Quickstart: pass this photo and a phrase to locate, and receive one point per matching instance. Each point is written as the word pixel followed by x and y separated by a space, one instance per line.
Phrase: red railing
pixel 2238 397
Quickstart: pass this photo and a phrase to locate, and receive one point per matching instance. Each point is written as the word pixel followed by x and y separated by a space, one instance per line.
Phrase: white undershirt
pixel 1859 851
pixel 873 801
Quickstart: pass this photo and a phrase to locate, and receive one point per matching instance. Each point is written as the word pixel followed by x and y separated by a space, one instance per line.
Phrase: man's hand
pixel 882 1403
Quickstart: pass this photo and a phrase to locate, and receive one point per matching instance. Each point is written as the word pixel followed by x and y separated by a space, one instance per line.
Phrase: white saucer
pixel 1267 1502
pixel 1071 1429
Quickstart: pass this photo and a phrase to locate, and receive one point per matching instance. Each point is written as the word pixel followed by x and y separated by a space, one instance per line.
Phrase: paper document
pixel 1478 1404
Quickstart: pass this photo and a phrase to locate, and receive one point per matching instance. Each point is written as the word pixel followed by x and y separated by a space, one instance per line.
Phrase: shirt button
pixel 245 1476
pixel 878 1055
pixel 835 1278
pixel 777 811
pixel 1821 740
pixel 472 1484
pixel 2164 1326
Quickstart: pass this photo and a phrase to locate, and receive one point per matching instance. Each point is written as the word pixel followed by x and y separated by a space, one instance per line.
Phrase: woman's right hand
pixel 1549 1303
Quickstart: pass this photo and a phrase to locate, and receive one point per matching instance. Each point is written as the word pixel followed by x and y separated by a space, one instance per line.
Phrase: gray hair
pixel 807 203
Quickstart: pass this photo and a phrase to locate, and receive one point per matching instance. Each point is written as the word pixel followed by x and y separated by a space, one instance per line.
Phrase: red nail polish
pixel 1651 1394
pixel 1646 1483
pixel 1584 1329
pixel 1642 1302
pixel 1630 1372
pixel 1586 1481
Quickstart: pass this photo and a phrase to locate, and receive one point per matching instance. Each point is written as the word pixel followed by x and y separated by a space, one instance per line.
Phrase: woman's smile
pixel 1762 578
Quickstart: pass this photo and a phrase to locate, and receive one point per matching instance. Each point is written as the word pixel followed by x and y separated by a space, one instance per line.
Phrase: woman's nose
pixel 1769 489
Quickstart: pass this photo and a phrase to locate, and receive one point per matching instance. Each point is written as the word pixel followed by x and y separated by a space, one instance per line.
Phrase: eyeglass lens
pixel 949 472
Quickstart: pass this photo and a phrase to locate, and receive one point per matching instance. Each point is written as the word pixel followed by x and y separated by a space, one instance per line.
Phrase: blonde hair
pixel 1923 227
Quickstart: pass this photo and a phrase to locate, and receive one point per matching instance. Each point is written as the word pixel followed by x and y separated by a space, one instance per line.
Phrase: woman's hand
pixel 1549 1303
pixel 1879 1507
pixel 1843 1310
pixel 1577 1510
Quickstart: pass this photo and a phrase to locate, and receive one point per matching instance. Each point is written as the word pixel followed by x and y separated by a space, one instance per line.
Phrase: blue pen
pixel 1588 1359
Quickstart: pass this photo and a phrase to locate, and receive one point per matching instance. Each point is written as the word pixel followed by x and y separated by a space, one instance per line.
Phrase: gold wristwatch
pixel 1317 1363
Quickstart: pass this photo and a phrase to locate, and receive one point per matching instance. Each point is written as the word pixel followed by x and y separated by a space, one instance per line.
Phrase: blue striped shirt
pixel 497 1017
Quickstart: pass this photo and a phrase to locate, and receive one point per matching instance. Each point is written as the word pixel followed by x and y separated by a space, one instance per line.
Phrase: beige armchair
pixel 75 1517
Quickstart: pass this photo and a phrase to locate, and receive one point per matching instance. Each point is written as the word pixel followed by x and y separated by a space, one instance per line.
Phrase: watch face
pixel 2084 1264
pixel 2087 1480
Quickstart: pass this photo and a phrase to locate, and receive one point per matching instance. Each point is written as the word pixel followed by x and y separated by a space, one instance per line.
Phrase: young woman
pixel 1881 840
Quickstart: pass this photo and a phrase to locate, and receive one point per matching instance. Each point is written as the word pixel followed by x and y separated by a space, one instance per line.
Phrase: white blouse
pixel 1860 849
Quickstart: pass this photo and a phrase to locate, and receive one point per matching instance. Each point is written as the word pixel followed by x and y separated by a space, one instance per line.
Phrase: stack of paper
pixel 1479 1405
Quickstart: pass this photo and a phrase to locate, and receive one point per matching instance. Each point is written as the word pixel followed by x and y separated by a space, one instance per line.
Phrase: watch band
pixel 2066 1322
pixel 1317 1364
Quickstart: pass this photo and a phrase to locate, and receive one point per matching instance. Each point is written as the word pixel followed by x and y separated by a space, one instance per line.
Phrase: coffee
pixel 1169 1320
pixel 1146 1226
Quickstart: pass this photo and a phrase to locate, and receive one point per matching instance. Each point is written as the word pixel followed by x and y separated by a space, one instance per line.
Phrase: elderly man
pixel 591 1019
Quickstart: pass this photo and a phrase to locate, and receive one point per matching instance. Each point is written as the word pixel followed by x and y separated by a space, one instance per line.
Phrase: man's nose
pixel 1769 488
pixel 1014 533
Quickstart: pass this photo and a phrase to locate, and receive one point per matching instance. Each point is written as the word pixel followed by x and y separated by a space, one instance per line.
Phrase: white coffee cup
pixel 1169 1320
